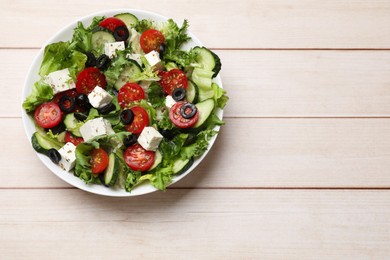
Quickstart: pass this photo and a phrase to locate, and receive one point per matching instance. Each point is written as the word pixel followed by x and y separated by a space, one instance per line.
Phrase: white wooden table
pixel 301 170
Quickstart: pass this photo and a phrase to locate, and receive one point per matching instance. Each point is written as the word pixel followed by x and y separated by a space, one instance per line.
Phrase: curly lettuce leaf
pixel 175 37
pixel 171 148
pixel 41 92
pixel 143 25
pixel 81 39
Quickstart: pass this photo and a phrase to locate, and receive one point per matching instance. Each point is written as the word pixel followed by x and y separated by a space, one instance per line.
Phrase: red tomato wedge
pixel 151 40
pixel 111 23
pixel 130 92
pixel 88 79
pixel 172 80
pixel 69 137
pixel 99 161
pixel 141 119
pixel 138 159
pixel 178 120
pixel 48 115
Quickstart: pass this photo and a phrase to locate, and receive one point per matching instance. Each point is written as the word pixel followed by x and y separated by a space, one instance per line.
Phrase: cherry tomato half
pixel 88 79
pixel 69 137
pixel 111 23
pixel 172 80
pixel 48 115
pixel 99 161
pixel 130 92
pixel 178 120
pixel 151 40
pixel 141 119
pixel 138 159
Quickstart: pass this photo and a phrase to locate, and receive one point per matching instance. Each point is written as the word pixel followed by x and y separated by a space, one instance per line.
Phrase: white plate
pixel 65 35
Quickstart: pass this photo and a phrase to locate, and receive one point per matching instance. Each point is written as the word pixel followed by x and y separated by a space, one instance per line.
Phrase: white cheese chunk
pixel 110 48
pixel 169 101
pixel 150 138
pixel 136 57
pixel 99 97
pixel 153 59
pixel 59 81
pixel 95 127
pixel 68 156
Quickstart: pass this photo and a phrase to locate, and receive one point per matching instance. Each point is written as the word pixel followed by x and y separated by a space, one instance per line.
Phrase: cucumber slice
pixel 204 108
pixel 128 18
pixel 41 143
pixel 208 59
pixel 180 166
pixel 157 160
pixel 202 77
pixel 192 92
pixel 100 36
pixel 126 73
pixel 72 124
pixel 112 171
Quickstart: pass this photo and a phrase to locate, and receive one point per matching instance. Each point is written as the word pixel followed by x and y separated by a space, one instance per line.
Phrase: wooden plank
pixel 252 153
pixel 244 24
pixel 269 83
pixel 203 224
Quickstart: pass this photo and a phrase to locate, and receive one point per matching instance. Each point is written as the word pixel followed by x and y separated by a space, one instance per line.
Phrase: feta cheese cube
pixel 59 81
pixel 99 97
pixel 95 127
pixel 136 57
pixel 68 156
pixel 150 138
pixel 169 101
pixel 153 59
pixel 110 48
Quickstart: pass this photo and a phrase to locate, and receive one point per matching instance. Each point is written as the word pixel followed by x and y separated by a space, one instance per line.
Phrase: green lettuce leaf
pixel 143 25
pixel 59 56
pixel 83 167
pixel 155 95
pixel 41 92
pixel 199 146
pixel 175 37
pixel 220 96
pixel 81 39
pixel 171 148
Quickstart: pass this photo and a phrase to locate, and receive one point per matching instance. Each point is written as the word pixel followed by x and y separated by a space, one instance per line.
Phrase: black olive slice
pixel 91 60
pixel 54 155
pixel 162 50
pixel 66 103
pixel 82 100
pixel 168 134
pixel 80 116
pixel 178 94
pixel 58 128
pixel 121 33
pixel 188 110
pixel 103 62
pixel 107 109
pixel 130 140
pixel 127 116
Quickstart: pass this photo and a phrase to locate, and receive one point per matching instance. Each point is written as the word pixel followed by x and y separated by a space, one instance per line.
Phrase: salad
pixel 123 103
